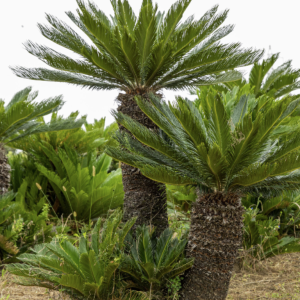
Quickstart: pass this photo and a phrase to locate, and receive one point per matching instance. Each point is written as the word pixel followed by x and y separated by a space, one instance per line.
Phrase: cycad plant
pixel 138 54
pixel 19 118
pixel 265 79
pixel 87 271
pixel 226 158
pixel 151 261
pixel 83 184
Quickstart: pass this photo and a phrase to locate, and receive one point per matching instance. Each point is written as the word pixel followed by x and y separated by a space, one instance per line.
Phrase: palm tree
pixel 225 158
pixel 18 119
pixel 139 54
pixel 265 79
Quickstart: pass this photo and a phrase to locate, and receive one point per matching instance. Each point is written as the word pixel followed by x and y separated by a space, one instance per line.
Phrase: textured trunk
pixel 144 198
pixel 4 171
pixel 214 239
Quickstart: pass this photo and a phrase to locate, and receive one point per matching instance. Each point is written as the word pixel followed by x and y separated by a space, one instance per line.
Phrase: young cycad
pixel 137 54
pixel 265 79
pixel 225 156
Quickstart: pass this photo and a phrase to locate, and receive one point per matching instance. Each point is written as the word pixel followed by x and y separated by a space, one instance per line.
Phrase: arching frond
pixel 150 51
pixel 216 145
pixel 21 116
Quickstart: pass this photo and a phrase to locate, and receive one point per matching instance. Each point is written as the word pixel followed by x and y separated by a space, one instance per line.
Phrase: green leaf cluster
pixel 152 261
pixel 19 118
pixel 266 79
pixel 82 184
pixel 86 271
pixel 261 236
pixel 285 208
pixel 21 226
pixel 148 51
pixel 89 137
pixel 211 149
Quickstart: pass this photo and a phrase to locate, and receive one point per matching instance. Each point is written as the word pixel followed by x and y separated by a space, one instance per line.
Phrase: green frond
pixel 274 75
pixel 63 35
pixel 222 142
pixel 153 50
pixel 260 70
pixel 58 76
pixel 19 97
pixel 166 175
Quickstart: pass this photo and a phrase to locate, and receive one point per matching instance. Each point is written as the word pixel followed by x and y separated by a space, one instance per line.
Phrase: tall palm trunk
pixel 4 171
pixel 144 198
pixel 214 239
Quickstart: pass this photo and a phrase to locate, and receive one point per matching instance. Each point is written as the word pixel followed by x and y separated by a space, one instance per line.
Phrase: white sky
pixel 259 24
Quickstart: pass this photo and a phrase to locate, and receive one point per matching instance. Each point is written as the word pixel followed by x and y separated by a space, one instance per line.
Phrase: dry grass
pixel 275 278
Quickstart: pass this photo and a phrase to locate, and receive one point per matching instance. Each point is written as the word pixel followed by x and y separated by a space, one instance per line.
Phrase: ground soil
pixel 274 278
pixel 10 291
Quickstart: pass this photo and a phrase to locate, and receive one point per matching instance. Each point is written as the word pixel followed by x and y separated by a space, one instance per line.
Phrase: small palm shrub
pixel 82 184
pixel 19 118
pixel 151 261
pixel 85 271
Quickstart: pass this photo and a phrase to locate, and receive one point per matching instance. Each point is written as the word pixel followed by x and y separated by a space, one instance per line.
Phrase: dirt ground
pixel 11 291
pixel 275 278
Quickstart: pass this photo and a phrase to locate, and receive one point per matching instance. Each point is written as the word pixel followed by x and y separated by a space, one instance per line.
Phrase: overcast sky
pixel 258 24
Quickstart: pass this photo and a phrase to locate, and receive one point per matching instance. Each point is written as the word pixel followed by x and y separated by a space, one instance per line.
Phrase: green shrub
pixel 21 228
pixel 86 271
pixel 150 262
pixel 83 184
pixel 285 208
pixel 84 139
pixel 261 236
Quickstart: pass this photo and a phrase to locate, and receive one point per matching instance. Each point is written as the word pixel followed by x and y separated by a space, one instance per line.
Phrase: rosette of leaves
pixel 86 271
pixel 151 261
pixel 82 184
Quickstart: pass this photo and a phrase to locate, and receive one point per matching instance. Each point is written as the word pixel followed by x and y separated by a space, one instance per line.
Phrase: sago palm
pixel 19 119
pixel 137 54
pixel 265 79
pixel 225 158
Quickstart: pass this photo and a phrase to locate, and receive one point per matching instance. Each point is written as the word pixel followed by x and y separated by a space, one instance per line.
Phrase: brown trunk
pixel 214 239
pixel 144 198
pixel 4 171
